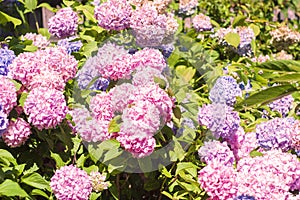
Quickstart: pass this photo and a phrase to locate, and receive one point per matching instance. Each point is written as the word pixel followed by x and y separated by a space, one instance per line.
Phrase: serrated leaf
pixel 10 188
pixel 267 95
pixel 239 20
pixel 59 162
pixel 36 180
pixel 165 172
pixel 37 192
pixel 233 39
pixel 7 158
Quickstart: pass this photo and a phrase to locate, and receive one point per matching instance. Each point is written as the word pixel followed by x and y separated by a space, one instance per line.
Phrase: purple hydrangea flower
pixel 220 119
pixel 64 23
pixel 215 151
pixel 69 45
pixel 244 197
pixel 6 58
pixel 3 121
pixel 167 50
pixel 225 91
pixel 276 133
pixel 282 105
pixel 201 22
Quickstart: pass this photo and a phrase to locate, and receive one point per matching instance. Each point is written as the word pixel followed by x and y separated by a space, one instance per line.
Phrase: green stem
pixel 36 21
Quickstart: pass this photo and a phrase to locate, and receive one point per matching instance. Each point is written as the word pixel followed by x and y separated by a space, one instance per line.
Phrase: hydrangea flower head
pixel 64 23
pixel 6 58
pixel 202 22
pixel 98 181
pixel 101 107
pixel 244 197
pixel 225 91
pixel 282 105
pixel 17 133
pixel 220 119
pixel 8 94
pixel 114 14
pixel 71 183
pixel 276 133
pixel 188 7
pixel 215 151
pixel 45 107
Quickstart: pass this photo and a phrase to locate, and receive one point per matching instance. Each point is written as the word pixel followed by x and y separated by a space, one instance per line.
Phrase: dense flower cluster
pixel 114 14
pixel 283 55
pixel 282 105
pixel 188 7
pixel 3 121
pixel 70 45
pixel 220 119
pixel 98 181
pixel 64 23
pixel 45 107
pixel 33 68
pixel 145 76
pixel 71 183
pixel 151 28
pixel 161 5
pixel 277 133
pixel 261 58
pixel 244 197
pixel 271 176
pixel 225 91
pixel 8 94
pixel 215 151
pixel 202 22
pixel 37 39
pixel 6 58
pixel 17 133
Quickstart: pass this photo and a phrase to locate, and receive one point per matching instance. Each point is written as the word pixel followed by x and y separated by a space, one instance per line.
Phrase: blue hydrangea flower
pixel 6 58
pixel 244 197
pixel 3 122
pixel 69 45
pixel 282 105
pixel 276 133
pixel 246 88
pixel 225 91
pixel 167 50
pixel 186 122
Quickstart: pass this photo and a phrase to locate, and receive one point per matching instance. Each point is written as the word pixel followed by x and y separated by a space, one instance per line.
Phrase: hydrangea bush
pixel 150 99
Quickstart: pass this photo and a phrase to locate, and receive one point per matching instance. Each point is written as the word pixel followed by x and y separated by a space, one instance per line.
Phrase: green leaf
pixel 7 158
pixel 145 164
pixel 255 29
pixel 177 112
pixel 37 192
pixel 165 172
pixel 233 39
pixel 23 98
pixel 114 126
pixel 267 95
pixel 187 73
pixel 255 153
pixel 161 82
pixel 68 3
pixel 295 77
pixel 44 32
pixel 10 188
pixel 17 85
pixel 188 167
pixel 4 18
pixel 88 11
pixel 32 169
pixel 36 180
pixel 47 6
pixel 59 162
pixel 239 20
pixel 31 5
pixel 280 65
pixel 94 196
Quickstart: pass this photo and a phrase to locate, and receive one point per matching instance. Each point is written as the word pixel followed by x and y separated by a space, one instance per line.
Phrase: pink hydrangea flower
pixel 149 57
pixel 141 118
pixel 146 75
pixel 37 39
pixel 202 22
pixel 138 146
pixel 113 14
pixel 45 107
pixel 101 107
pixel 8 94
pixel 120 96
pixel 64 23
pixel 50 80
pixel 71 183
pixel 17 133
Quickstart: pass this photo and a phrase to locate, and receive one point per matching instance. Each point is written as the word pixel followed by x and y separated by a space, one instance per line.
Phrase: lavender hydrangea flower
pixel 282 105
pixel 6 58
pixel 276 133
pixel 220 119
pixel 244 197
pixel 225 91
pixel 64 23
pixel 215 151
pixel 167 50
pixel 69 45
pixel 202 22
